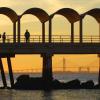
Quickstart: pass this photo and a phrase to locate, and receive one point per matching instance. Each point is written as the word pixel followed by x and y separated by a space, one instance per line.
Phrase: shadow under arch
pixel 40 14
pixel 95 13
pixel 71 15
pixel 11 14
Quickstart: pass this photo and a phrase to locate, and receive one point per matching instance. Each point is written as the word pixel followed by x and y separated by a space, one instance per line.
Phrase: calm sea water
pixel 54 94
pixel 50 95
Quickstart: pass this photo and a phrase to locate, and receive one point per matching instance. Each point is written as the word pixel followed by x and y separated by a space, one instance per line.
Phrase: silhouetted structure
pixel 82 68
pixel 47 47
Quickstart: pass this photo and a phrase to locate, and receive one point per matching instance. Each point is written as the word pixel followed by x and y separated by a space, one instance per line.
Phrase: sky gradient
pixel 60 26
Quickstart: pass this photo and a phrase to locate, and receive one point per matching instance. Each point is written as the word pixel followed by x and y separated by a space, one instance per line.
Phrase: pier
pixel 47 45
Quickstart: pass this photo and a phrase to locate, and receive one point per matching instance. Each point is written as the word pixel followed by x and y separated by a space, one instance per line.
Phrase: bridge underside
pixel 8 50
pixel 51 48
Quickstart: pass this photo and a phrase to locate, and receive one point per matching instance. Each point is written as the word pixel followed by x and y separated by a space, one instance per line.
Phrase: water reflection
pixel 47 95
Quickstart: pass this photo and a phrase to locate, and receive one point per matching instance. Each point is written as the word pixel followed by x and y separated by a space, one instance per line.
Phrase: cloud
pixel 50 6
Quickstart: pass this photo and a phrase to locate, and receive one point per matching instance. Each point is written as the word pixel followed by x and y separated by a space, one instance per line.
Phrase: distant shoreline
pixel 56 72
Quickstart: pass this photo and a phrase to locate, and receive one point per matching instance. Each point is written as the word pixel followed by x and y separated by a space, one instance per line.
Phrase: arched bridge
pixel 50 44
pixel 56 44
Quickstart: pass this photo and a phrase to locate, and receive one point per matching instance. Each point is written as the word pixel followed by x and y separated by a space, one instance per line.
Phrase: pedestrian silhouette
pixel 4 37
pixel 0 35
pixel 27 36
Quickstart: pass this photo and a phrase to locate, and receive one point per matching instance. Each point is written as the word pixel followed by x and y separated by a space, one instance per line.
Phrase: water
pixel 69 94
pixel 50 95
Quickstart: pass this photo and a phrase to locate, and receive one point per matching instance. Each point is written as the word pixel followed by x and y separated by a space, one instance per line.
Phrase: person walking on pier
pixel 0 37
pixel 27 36
pixel 4 37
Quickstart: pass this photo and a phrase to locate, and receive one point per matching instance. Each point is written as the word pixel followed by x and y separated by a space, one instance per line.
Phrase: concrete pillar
pixel 50 30
pixel 81 30
pixel 99 32
pixel 3 74
pixel 72 32
pixel 19 30
pixel 43 32
pixel 10 71
pixel 14 32
pixel 47 66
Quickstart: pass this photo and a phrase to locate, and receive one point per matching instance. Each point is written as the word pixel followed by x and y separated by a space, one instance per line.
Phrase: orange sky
pixel 28 62
pixel 60 26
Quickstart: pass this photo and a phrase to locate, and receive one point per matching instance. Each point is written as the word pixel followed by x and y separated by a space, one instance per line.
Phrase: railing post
pixel 60 38
pixel 81 30
pixel 14 32
pixel 19 29
pixel 91 39
pixel 43 32
pixel 39 39
pixel 72 32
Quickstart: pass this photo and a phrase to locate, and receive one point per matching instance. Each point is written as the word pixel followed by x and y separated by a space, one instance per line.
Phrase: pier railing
pixel 54 39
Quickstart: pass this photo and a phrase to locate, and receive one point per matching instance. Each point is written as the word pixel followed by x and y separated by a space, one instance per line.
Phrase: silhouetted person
pixel 4 37
pixel 27 36
pixel 0 35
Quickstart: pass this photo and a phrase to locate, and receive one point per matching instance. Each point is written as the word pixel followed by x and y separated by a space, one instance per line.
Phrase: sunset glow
pixel 60 26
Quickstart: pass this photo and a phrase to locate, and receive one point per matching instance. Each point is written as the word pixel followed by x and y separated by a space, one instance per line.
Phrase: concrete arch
pixel 68 13
pixel 71 15
pixel 95 13
pixel 11 14
pixel 39 13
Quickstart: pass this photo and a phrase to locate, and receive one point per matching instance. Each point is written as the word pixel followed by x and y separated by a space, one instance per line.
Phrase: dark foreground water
pixel 50 95
pixel 54 94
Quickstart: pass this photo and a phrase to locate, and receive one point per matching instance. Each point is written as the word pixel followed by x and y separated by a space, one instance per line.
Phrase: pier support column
pixel 14 32
pixel 10 71
pixel 19 30
pixel 3 74
pixel 43 32
pixel 50 30
pixel 81 30
pixel 47 66
pixel 72 32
